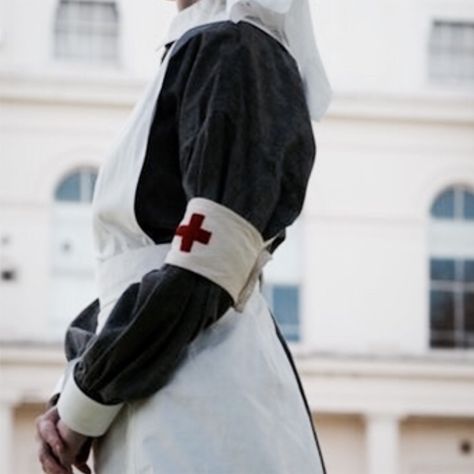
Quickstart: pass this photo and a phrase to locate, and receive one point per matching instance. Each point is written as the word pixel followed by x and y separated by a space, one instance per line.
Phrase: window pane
pixel 443 206
pixel 87 30
pixel 69 189
pixel 285 300
pixel 468 203
pixel 469 271
pixel 442 269
pixel 469 312
pixel 442 310
pixel 450 51
pixel 442 340
pixel 469 340
pixel 88 181
pixel 286 309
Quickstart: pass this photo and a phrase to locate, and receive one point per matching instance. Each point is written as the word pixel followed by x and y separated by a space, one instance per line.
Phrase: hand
pixel 81 459
pixel 77 448
pixel 49 438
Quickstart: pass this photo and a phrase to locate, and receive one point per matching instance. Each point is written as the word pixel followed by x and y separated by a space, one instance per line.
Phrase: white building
pixel 375 285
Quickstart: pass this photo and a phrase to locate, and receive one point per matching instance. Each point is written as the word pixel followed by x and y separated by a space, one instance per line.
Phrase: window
pixel 77 187
pixel 451 51
pixel 72 248
pixel 454 203
pixel 87 30
pixel 452 302
pixel 282 284
pixel 285 303
pixel 452 269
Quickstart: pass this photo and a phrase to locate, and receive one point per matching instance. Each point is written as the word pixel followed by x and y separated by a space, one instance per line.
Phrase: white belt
pixel 117 273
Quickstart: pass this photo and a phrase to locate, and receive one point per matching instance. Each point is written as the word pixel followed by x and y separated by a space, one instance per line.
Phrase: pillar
pixel 382 442
pixel 6 435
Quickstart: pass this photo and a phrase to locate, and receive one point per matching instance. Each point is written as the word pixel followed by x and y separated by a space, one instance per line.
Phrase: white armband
pixel 219 244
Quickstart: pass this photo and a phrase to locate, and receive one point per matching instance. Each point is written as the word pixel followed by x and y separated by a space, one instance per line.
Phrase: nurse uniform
pixel 178 366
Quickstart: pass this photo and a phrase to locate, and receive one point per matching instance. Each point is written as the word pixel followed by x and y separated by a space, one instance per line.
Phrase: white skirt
pixel 234 405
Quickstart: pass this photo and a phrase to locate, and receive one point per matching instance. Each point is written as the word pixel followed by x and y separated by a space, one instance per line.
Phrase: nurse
pixel 178 366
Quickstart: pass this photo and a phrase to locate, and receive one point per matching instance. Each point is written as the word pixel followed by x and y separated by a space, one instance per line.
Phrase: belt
pixel 117 273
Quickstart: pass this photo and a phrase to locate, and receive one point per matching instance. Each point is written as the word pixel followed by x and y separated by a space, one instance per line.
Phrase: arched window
pixel 452 269
pixel 72 252
pixel 87 30
pixel 77 186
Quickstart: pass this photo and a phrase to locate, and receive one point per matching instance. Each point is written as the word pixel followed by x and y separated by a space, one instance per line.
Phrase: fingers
pixel 53 448
pixel 66 458
pixel 60 448
pixel 83 467
pixel 82 456
pixel 84 452
pixel 49 463
pixel 46 429
pixel 73 441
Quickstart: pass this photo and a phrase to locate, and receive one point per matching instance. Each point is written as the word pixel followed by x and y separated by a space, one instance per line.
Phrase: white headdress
pixel 287 20
pixel 291 21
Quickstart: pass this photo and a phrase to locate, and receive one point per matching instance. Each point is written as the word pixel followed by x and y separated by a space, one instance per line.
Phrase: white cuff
pixel 58 388
pixel 219 244
pixel 83 414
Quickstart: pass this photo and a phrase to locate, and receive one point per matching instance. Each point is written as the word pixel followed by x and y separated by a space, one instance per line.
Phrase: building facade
pixel 374 287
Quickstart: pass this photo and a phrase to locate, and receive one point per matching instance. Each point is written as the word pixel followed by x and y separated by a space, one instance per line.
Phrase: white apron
pixel 233 406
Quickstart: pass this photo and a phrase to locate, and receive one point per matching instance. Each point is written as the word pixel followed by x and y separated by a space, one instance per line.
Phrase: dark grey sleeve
pixel 247 139
pixel 79 333
pixel 246 142
pixel 81 330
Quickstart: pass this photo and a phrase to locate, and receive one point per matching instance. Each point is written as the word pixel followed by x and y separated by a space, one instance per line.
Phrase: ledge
pixel 431 385
pixel 119 89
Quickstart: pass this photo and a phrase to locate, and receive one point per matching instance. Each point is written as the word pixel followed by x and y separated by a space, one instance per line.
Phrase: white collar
pixel 199 13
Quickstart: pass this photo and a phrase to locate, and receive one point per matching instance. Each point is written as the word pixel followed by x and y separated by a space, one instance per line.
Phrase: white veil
pixel 287 20
pixel 291 21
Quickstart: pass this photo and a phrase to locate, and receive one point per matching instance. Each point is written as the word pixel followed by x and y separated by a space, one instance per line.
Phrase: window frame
pixel 95 62
pixel 268 289
pixel 295 231
pixel 450 63
pixel 86 186
pixel 457 286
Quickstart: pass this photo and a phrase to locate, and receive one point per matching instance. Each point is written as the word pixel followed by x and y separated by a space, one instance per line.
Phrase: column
pixel 6 435
pixel 382 443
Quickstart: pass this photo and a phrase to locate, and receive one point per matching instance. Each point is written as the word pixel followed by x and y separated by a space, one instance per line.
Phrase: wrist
pixel 81 413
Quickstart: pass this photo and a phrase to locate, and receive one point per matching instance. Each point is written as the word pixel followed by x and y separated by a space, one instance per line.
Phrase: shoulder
pixel 235 67
pixel 226 40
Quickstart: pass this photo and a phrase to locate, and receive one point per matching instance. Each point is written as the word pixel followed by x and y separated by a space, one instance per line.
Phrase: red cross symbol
pixel 193 232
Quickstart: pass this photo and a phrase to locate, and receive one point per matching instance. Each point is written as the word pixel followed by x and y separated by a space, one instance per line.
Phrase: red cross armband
pixel 219 244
